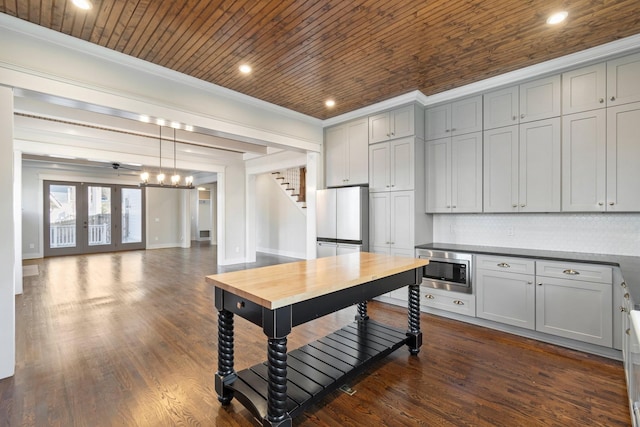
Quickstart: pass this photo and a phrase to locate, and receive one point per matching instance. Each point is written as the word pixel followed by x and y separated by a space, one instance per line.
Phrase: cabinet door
pixel 539 175
pixel 506 298
pixel 402 224
pixel 501 169
pixel 540 99
pixel 335 155
pixel 402 122
pixel 623 80
pixel 466 116
pixel 379 222
pixel 575 309
pixel 623 158
pixel 584 89
pixel 379 128
pixel 438 173
pixel 379 161
pixel 357 170
pixel 501 108
pixel 466 173
pixel 438 122
pixel 402 162
pixel 584 149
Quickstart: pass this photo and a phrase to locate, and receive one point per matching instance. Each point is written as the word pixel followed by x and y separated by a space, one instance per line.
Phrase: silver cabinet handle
pixel 529 282
pixel 393 133
pixel 454 206
pixel 623 284
pixel 522 116
pixel 522 206
pixel 453 129
pixel 458 302
pixel 622 309
pixel 611 203
pixel 571 272
pixel 539 284
pixel 626 296
pixel 429 296
pixel 613 98
pixel 514 206
pixel 628 331
pixel 600 203
pixel 514 118
pixel 601 100
pixel 503 265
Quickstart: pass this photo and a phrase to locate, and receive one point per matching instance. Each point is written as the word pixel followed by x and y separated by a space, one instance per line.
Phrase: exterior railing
pixel 64 236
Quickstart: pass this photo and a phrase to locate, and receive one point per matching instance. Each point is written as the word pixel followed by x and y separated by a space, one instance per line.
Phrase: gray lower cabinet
pixel 574 301
pixel 570 300
pixel 503 295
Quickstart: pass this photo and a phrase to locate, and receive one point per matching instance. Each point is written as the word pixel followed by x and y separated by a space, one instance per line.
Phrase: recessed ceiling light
pixel 245 69
pixel 330 103
pixel 83 4
pixel 557 17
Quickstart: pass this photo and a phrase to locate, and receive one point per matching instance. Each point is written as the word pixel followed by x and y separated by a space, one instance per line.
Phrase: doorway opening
pixel 82 218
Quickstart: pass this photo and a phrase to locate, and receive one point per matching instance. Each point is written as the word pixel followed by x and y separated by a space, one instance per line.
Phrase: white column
pixel 251 218
pixel 185 224
pixel 313 173
pixel 17 219
pixel 7 250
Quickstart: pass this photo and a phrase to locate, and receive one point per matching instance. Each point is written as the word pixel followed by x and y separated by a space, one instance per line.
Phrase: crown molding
pixel 29 29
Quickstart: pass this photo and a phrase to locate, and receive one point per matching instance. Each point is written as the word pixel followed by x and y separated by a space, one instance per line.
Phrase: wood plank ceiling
pixel 356 52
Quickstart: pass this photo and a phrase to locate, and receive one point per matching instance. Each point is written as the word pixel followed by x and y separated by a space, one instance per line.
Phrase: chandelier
pixel 175 178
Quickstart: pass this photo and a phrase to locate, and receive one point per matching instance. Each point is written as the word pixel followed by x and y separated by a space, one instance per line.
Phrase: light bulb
pixel 175 179
pixel 189 180
pixel 160 178
pixel 144 176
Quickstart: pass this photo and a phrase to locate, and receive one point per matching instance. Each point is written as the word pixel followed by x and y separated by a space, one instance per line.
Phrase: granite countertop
pixel 629 265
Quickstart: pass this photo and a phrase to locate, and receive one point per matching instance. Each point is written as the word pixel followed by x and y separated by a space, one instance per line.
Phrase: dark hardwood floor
pixel 130 339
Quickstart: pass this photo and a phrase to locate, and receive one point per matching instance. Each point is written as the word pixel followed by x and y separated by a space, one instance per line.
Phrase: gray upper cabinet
pixel 455 118
pixel 623 157
pixel 398 123
pixel 584 89
pixel 535 100
pixel 623 80
pixel 346 154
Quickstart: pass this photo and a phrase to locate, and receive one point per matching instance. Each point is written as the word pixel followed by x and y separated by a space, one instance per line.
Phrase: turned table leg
pixel 362 312
pixel 414 334
pixel 225 374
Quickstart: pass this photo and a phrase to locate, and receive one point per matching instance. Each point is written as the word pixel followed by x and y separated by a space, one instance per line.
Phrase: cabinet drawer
pixel 506 264
pixel 449 301
pixel 575 271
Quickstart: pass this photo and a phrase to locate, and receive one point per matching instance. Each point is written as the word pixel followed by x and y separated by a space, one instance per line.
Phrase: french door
pixel 82 218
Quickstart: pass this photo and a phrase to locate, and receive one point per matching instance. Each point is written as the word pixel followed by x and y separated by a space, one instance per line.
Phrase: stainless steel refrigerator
pixel 342 220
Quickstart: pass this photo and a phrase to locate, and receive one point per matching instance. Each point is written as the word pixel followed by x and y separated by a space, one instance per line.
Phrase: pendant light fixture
pixel 175 179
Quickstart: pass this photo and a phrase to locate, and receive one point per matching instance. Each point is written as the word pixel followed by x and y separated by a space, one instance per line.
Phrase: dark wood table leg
pixel 276 324
pixel 362 312
pixel 226 373
pixel 414 334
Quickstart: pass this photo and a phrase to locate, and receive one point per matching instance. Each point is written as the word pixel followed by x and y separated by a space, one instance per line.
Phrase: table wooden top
pixel 280 285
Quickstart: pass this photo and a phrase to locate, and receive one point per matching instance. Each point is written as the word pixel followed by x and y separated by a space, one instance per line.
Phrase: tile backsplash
pixel 617 234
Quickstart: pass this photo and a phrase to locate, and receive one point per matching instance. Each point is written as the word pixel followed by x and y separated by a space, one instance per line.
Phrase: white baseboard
pixel 165 245
pixel 290 254
pixel 32 255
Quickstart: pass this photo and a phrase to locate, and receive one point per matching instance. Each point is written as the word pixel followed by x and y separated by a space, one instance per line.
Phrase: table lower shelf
pixel 318 368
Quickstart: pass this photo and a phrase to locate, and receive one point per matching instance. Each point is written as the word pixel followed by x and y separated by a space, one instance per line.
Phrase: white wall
pixel 7 250
pixel 281 227
pixel 609 233
pixel 164 218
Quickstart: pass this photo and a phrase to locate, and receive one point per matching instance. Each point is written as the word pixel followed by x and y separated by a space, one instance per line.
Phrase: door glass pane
pixel 99 215
pixel 131 215
pixel 62 216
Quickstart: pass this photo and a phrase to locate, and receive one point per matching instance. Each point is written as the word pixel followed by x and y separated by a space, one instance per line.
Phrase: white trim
pixel 221 219
pixel 29 29
pixel 290 254
pixel 415 96
pixel 165 245
pixel 32 255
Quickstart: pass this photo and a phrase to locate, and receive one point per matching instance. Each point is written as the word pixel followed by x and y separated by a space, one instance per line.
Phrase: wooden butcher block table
pixel 279 297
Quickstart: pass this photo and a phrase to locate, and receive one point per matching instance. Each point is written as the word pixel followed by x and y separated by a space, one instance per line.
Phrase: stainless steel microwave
pixel 450 271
